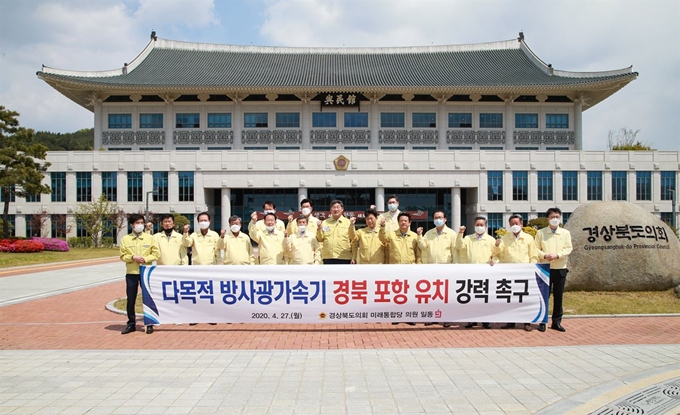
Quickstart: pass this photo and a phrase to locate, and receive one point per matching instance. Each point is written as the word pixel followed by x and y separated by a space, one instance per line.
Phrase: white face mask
pixel 269 211
pixel 479 230
pixel 392 207
pixel 204 225
pixel 235 228
pixel 515 228
pixel 138 228
pixel 302 228
pixel 438 222
pixel 270 228
pixel 306 211
pixel 554 222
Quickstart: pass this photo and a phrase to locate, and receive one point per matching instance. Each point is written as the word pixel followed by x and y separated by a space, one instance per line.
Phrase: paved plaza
pixel 61 351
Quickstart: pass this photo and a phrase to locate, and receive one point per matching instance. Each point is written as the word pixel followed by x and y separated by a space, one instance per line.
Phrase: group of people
pixel 386 239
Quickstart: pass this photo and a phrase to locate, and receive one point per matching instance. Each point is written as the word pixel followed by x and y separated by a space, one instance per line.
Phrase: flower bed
pixel 20 245
pixel 52 244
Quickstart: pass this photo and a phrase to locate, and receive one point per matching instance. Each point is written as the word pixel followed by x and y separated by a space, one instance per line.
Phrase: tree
pixel 22 164
pixel 180 221
pixel 99 218
pixel 626 140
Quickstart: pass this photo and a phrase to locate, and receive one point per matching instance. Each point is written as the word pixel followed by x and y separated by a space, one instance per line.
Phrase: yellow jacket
pixel 476 250
pixel 204 250
pixel 517 250
pixel 302 249
pixel 367 247
pixel 336 237
pixel 260 226
pixel 558 243
pixel 171 250
pixel 137 245
pixel 238 250
pixel 438 248
pixel 391 221
pixel 402 249
pixel 312 225
pixel 270 246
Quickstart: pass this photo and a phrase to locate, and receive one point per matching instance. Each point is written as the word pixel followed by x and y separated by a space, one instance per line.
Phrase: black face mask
pixel 168 232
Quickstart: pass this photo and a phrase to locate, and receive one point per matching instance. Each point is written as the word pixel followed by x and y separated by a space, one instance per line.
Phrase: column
pixel 71 226
pixel 442 125
pixel 237 124
pixel 557 187
pixel 169 124
pixel 121 186
pixel 20 225
pixel 173 187
pixel 98 124
pixel 374 124
pixel 226 207
pixel 71 187
pixel 455 209
pixel 96 185
pixel 302 194
pixel 306 125
pixel 46 230
pixel 380 199
pixel 509 124
pixel 578 124
pixel 632 186
pixel 607 186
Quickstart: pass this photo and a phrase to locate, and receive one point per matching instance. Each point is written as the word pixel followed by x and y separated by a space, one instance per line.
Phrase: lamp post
pixel 146 212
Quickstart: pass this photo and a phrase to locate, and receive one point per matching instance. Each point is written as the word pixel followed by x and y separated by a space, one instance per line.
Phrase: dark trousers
pixel 558 277
pixel 132 285
pixel 333 261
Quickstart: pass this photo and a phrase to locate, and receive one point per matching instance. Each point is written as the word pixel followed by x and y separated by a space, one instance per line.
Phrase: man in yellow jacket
pixel 367 247
pixel 476 249
pixel 302 248
pixel 336 235
pixel 438 245
pixel 238 250
pixel 204 242
pixel 516 247
pixel 267 207
pixel 170 247
pixel 391 215
pixel 270 241
pixel 402 244
pixel 554 246
pixel 136 248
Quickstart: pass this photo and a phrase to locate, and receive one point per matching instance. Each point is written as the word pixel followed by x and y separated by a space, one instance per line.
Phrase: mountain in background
pixel 80 140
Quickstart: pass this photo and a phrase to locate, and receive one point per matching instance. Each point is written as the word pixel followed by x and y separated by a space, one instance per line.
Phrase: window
pixel 58 226
pixel 255 120
pixel 287 120
pixel 219 120
pixel 11 221
pixel 667 217
pixel 120 121
pixel 33 198
pixel 134 186
pixel 526 148
pixel 525 217
pixel 391 120
pixel 526 120
pixel 356 120
pixel 494 222
pixel 545 185
pixel 186 186
pixel 494 185
pixel 110 185
pixel 491 120
pixel 187 121
pixel 424 120
pixel 58 185
pixel 150 120
pixel 619 185
pixel 160 185
pixel 12 195
pixel 556 120
pixel 565 217
pixel 667 185
pixel 460 120
pixel 323 120
pixel 33 227
pixel 594 185
pixel 81 232
pixel 520 185
pixel 643 185
pixel 428 148
pixel 570 185
pixel 392 148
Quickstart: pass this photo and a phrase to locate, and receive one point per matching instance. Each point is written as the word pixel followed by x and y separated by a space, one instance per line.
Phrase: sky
pixel 574 35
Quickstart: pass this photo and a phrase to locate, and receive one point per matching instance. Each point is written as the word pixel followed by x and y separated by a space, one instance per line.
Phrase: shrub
pixel 20 245
pixel 52 244
pixel 80 242
pixel 107 242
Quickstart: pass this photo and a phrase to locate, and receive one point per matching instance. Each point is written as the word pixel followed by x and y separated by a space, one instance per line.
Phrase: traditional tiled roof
pixel 500 67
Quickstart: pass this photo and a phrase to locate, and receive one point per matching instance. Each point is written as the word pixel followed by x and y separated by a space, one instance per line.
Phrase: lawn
pixel 46 257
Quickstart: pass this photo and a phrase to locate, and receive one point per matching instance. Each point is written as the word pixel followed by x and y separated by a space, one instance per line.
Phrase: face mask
pixel 515 228
pixel 479 230
pixel 438 222
pixel 204 225
pixel 302 228
pixel 270 228
pixel 168 231
pixel 138 228
pixel 235 228
pixel 554 222
pixel 306 211
pixel 269 211
pixel 392 207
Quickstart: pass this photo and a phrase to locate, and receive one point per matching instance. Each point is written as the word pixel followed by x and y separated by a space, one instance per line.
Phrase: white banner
pixel 345 293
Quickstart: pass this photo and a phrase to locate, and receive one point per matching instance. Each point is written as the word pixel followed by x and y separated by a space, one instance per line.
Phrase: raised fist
pixel 320 225
pixel 420 231
pixel 253 216
pixel 222 233
pixel 352 220
pixel 382 222
pixel 186 228
pixel 372 207
pixel 498 242
pixel 462 229
pixel 290 218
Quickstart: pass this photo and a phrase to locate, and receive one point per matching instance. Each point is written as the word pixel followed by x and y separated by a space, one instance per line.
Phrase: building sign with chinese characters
pixel 338 294
pixel 340 99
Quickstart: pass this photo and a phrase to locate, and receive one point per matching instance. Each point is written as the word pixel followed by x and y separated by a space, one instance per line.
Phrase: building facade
pixel 478 130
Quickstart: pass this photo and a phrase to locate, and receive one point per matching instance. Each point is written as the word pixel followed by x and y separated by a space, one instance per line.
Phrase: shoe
pixel 429 324
pixel 527 327
pixel 192 324
pixel 129 329
pixel 541 327
pixel 446 325
pixel 486 325
pixel 508 326
pixel 394 324
pixel 470 325
pixel 149 329
pixel 558 327
pixel 411 324
pixel 212 324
